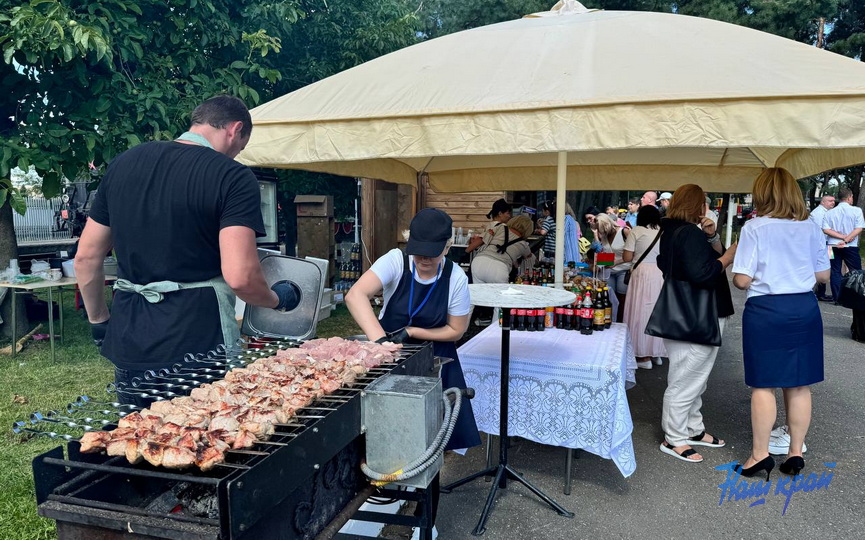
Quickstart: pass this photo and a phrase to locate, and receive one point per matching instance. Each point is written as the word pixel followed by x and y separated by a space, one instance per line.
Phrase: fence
pixel 41 222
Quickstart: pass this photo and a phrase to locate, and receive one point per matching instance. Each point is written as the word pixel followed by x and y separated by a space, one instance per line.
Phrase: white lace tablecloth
pixel 566 389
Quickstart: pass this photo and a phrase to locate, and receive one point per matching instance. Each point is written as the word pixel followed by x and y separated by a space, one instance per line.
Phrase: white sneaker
pixel 658 361
pixel 779 442
pixel 645 365
pixel 483 322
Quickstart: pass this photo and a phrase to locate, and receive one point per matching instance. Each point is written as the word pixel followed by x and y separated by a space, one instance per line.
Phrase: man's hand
pixel 97 332
pixel 288 294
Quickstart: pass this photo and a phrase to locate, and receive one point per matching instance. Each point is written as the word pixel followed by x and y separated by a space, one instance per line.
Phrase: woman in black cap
pixel 426 298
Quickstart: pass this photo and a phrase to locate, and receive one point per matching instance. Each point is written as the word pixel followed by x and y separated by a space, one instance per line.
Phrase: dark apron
pixel 433 314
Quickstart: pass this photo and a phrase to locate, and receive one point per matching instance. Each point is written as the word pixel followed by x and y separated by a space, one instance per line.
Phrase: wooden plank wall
pixel 468 210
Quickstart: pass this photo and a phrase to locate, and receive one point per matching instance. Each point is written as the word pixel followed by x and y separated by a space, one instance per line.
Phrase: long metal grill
pixel 238 498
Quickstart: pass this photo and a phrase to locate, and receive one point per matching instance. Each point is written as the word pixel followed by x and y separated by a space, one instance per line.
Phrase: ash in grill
pixel 290 486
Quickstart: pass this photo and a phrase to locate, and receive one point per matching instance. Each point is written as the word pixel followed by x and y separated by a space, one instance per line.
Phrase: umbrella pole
pixel 731 215
pixel 561 204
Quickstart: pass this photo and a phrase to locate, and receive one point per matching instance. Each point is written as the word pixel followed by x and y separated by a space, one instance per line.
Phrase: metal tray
pixel 299 323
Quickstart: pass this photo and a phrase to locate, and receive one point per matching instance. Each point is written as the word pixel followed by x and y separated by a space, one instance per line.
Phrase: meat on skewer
pixel 241 409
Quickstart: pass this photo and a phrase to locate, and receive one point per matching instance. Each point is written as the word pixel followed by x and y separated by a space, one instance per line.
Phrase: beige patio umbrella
pixel 578 100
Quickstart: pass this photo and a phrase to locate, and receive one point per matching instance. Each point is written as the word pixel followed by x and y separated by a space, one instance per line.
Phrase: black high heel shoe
pixel 792 466
pixel 766 464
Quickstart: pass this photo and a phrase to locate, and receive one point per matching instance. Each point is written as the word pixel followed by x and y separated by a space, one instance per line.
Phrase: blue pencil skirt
pixel 782 339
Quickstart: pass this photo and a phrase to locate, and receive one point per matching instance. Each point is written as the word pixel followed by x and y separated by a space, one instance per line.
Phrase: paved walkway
pixel 667 498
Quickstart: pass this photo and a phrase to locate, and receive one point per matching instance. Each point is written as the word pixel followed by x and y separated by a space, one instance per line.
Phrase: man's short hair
pixel 219 111
pixel 844 193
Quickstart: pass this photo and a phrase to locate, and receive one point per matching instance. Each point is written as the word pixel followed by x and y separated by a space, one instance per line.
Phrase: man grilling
pixel 182 218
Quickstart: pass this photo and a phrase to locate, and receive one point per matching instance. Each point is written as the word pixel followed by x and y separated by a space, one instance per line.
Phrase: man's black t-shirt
pixel 165 203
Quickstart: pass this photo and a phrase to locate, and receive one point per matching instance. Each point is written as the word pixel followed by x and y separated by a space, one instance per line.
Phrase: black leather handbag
pixel 683 311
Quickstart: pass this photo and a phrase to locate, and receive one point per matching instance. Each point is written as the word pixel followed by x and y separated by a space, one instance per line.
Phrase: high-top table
pixel 567 389
pixel 526 296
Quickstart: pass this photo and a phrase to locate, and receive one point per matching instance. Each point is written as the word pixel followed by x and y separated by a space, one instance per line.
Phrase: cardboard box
pixel 314 205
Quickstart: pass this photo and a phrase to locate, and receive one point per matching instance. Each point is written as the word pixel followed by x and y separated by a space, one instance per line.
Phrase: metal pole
pixel 731 215
pixel 561 204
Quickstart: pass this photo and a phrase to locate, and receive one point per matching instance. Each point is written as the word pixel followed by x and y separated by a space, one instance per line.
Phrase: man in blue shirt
pixel 842 225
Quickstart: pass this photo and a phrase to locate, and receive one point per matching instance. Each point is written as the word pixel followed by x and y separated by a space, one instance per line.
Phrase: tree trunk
pixel 9 251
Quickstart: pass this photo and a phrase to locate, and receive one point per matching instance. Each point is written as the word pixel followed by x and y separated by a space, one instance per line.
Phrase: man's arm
pixel 94 244
pixel 834 234
pixel 852 236
pixel 241 268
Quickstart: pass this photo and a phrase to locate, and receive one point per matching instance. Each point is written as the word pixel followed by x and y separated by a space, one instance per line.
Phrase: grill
pixel 290 486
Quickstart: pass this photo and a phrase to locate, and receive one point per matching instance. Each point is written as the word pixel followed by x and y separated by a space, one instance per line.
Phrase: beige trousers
pixel 690 366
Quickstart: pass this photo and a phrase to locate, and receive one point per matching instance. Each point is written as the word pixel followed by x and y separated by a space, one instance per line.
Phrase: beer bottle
pixel 608 308
pixel 598 319
pixel 587 314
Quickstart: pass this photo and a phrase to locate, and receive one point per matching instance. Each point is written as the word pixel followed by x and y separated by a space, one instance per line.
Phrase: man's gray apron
pixel 155 293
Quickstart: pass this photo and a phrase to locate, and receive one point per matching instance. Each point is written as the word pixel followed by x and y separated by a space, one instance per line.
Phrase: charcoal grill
pixel 288 487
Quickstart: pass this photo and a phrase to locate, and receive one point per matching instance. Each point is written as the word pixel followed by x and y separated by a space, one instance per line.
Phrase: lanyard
pixel 411 313
pixel 195 138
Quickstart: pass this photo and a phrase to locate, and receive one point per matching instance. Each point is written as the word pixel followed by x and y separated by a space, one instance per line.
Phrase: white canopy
pixel 637 100
pixel 580 100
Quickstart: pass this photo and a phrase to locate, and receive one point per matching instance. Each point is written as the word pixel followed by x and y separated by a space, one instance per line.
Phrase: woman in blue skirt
pixel 781 255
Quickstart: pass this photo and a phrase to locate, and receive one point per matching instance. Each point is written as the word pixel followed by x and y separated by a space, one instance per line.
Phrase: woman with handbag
pixel 782 254
pixel 690 314
pixel 644 285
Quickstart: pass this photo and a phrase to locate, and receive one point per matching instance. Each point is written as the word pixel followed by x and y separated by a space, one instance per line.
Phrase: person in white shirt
pixel 426 298
pixel 781 255
pixel 842 225
pixel 827 202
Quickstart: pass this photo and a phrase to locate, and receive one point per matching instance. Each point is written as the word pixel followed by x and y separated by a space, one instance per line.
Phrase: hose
pixel 435 450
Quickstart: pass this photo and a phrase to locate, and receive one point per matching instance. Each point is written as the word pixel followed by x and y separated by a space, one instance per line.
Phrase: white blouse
pixel 780 255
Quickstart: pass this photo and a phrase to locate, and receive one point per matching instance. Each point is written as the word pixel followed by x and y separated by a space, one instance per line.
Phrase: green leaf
pixel 133 140
pixel 238 64
pixel 3 194
pixel 17 202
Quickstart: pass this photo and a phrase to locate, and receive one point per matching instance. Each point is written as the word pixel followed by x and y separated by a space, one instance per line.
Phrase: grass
pixel 32 382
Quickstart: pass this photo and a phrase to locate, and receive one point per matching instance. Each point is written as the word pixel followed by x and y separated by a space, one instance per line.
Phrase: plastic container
pixel 68 268
pixel 109 266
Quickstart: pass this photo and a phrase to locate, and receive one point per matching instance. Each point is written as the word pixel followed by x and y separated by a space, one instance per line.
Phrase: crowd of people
pixel 670 284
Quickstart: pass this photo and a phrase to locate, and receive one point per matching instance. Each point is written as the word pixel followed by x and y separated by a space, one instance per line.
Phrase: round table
pixel 505 296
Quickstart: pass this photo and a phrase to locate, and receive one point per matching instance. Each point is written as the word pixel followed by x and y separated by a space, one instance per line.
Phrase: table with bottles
pixel 570 368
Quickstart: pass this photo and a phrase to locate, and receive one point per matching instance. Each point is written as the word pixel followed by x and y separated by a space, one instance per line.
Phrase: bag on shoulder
pixel 627 278
pixel 685 312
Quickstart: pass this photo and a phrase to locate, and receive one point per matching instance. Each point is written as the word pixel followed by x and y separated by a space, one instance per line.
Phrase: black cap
pixel 499 206
pixel 429 232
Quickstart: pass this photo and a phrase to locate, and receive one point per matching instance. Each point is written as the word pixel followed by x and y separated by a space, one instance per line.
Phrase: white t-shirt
pixel 389 268
pixel 639 241
pixel 780 255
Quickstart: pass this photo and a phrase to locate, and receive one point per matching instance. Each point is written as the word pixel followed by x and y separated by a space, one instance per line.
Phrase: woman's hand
pixel 709 226
pixel 728 256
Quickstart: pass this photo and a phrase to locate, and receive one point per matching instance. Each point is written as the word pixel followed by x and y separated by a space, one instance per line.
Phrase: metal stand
pixel 503 471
